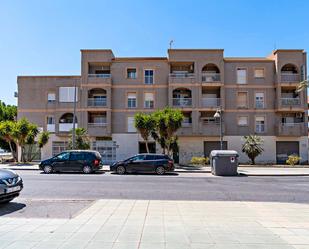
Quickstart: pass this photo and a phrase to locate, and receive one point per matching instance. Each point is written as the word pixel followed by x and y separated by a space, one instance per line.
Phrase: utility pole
pixel 74 116
pixel 171 43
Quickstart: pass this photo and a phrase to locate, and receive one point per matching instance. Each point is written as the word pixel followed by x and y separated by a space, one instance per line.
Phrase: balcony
pixel 181 77
pixel 210 127
pixel 51 128
pixel 211 77
pixel 98 128
pixel 211 102
pixel 104 78
pixel 290 77
pixel 66 127
pixel 182 102
pixel 291 129
pixel 97 102
pixel 290 102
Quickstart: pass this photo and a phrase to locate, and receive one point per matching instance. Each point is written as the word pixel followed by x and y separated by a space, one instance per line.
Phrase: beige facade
pixel 256 95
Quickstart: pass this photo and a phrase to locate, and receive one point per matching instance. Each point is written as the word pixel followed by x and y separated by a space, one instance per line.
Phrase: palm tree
pixel 302 85
pixel 252 147
pixel 81 139
pixel 145 124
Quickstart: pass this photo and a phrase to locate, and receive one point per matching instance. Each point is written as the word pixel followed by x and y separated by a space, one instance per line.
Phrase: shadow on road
pixel 74 173
pixel 11 207
pixel 148 174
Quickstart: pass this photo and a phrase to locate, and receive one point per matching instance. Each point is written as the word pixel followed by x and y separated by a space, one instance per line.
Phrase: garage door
pixel 284 149
pixel 213 145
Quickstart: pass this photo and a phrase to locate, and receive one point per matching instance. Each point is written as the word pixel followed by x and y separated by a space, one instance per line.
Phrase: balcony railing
pixel 292 129
pixel 182 102
pixel 290 77
pixel 105 75
pixel 259 104
pixel 98 124
pixel 182 75
pixel 186 124
pixel 93 102
pixel 290 101
pixel 51 127
pixel 211 102
pixel 65 127
pixel 211 77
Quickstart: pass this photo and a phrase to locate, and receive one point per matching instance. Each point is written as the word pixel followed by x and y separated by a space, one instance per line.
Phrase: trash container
pixel 224 162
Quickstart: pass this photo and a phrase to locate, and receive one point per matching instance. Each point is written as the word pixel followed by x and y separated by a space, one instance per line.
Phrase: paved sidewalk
pixel 166 224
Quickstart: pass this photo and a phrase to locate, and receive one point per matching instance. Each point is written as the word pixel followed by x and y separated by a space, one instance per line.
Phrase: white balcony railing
pixel 210 102
pixel 93 102
pixel 290 77
pixel 182 75
pixel 66 126
pixel 105 75
pixel 51 127
pixel 211 77
pixel 182 102
pixel 292 124
pixel 290 101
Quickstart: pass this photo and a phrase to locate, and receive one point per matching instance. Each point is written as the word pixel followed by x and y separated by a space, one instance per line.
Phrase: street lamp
pixel 218 114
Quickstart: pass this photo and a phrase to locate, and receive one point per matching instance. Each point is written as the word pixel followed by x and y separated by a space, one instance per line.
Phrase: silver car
pixel 10 185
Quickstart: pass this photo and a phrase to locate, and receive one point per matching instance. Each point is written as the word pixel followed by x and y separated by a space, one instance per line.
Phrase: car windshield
pixel 136 158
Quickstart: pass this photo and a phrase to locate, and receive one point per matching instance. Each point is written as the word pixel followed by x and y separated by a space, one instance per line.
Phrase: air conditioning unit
pixel 299 115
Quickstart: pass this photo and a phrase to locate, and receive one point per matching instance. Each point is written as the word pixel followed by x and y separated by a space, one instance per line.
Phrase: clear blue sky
pixel 45 37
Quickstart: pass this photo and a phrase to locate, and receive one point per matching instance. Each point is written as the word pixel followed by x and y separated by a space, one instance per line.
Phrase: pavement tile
pixel 48 245
pixel 125 245
pixel 99 245
pixel 154 245
pixel 22 245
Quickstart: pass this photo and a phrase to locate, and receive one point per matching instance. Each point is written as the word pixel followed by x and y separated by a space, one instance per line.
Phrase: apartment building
pixel 256 96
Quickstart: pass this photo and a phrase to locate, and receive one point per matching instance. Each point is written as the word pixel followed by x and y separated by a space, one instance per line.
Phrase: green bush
pixel 293 159
pixel 199 160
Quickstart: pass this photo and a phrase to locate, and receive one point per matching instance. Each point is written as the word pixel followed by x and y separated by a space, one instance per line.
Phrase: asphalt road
pixel 183 186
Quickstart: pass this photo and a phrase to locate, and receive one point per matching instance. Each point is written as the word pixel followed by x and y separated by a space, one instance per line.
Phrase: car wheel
pixel 47 169
pixel 160 170
pixel 121 170
pixel 87 169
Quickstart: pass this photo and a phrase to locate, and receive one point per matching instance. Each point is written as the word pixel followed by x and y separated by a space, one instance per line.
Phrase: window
pixel 259 73
pixel 51 97
pixel 260 124
pixel 241 76
pixel 58 147
pixel 149 100
pixel 131 100
pixel 131 73
pixel 50 120
pixel 130 122
pixel 242 99
pixel 77 156
pixel 64 156
pixel 243 121
pixel 138 158
pixel 148 76
pixel 259 100
pixel 66 94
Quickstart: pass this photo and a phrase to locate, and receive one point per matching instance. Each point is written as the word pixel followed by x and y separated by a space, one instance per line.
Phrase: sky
pixel 44 37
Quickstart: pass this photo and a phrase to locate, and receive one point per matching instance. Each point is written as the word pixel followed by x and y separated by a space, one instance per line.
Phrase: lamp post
pixel 218 114
pixel 74 117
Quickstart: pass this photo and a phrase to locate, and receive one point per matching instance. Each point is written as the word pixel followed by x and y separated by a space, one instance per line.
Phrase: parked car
pixel 86 161
pixel 154 163
pixel 10 185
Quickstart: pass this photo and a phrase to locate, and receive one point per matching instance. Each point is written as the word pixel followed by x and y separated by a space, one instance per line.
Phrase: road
pixel 66 195
pixel 183 186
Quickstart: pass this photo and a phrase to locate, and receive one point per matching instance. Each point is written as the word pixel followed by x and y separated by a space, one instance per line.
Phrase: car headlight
pixel 19 179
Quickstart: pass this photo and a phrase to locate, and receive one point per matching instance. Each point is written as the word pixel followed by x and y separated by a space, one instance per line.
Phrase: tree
pixel 168 121
pixel 82 141
pixel 253 147
pixel 145 124
pixel 6 133
pixel 43 139
pixel 302 85
pixel 7 113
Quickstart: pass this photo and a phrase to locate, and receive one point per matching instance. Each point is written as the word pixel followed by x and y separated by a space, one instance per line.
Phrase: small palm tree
pixel 145 124
pixel 6 133
pixel 253 147
pixel 302 85
pixel 82 141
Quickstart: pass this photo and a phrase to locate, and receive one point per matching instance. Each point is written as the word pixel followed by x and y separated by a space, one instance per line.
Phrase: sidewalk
pixel 142 224
pixel 243 170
